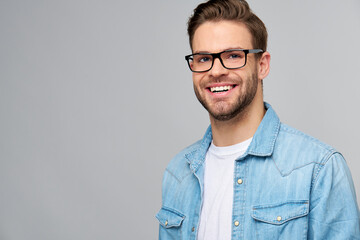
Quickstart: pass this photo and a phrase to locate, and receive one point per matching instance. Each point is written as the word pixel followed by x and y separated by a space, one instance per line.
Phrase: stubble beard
pixel 221 111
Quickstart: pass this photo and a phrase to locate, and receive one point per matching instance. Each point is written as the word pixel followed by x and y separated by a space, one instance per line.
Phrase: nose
pixel 218 69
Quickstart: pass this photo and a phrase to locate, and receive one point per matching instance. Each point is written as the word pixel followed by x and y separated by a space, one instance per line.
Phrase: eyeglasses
pixel 230 59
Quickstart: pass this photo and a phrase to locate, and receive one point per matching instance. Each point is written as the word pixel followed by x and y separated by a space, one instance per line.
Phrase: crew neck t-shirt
pixel 216 211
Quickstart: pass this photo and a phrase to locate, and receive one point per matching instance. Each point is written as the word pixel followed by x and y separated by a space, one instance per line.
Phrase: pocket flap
pixel 280 213
pixel 169 217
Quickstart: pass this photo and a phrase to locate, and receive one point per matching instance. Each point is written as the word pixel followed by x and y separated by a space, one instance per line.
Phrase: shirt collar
pixel 262 144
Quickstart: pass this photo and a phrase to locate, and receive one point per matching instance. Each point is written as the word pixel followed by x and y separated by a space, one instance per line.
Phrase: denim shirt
pixel 293 187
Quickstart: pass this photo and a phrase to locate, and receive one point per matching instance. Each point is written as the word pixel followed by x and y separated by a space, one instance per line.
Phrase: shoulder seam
pixel 294 131
pixel 321 166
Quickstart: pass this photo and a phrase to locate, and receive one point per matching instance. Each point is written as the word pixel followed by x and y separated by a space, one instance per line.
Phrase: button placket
pixel 239 198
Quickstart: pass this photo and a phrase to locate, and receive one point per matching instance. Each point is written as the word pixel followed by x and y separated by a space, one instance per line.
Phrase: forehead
pixel 221 35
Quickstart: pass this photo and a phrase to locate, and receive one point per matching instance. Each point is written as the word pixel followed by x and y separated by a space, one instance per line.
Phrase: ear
pixel 264 65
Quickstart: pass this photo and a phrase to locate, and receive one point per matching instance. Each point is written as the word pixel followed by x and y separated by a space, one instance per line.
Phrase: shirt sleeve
pixel 334 213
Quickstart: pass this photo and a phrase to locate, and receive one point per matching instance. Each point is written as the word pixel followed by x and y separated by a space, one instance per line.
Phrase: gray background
pixel 96 98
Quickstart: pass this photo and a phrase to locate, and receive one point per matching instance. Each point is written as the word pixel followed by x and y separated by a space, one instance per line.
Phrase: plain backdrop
pixel 96 98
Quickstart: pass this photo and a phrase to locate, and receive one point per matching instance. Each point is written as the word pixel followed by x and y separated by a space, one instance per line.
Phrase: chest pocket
pixel 169 218
pixel 288 218
pixel 170 221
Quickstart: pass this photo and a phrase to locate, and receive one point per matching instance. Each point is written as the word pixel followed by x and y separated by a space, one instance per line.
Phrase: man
pixel 251 176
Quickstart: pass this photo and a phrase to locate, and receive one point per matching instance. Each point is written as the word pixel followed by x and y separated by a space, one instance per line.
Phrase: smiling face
pixel 223 92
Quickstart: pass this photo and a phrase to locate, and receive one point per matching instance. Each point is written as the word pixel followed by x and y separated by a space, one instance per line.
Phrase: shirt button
pixel 239 181
pixel 236 223
pixel 166 223
pixel 193 229
pixel 278 218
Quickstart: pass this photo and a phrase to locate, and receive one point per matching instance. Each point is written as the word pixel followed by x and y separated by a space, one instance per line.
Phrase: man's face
pixel 213 37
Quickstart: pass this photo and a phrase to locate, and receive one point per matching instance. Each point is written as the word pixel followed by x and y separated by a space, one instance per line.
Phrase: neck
pixel 241 127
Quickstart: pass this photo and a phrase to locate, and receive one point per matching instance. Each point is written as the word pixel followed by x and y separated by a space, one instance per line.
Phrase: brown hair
pixel 232 10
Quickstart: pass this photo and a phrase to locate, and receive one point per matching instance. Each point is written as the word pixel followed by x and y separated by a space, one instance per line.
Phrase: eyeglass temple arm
pixel 255 50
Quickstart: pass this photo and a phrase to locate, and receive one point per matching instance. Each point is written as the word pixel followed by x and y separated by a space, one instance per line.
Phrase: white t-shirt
pixel 216 211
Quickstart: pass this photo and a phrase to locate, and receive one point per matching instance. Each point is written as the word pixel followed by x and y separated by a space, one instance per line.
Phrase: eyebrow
pixel 207 52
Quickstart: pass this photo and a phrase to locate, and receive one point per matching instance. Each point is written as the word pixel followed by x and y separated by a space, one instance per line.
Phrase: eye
pixel 234 56
pixel 204 59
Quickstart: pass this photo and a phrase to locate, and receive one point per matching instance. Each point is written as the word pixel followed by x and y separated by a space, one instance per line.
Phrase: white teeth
pixel 220 89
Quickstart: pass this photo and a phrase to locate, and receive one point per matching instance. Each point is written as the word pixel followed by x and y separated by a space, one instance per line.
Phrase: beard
pixel 224 111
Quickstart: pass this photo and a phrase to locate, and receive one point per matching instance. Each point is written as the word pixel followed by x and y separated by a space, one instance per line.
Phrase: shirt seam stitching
pixel 173 175
pixel 322 164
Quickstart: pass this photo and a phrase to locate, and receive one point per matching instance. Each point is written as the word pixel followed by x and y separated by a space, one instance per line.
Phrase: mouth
pixel 221 89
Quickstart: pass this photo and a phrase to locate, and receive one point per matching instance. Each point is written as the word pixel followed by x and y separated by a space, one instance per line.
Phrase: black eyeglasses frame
pixel 217 55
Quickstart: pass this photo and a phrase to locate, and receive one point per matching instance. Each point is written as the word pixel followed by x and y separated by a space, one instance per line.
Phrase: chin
pixel 224 115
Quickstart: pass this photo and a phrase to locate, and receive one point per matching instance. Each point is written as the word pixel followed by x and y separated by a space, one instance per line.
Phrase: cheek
pixel 197 80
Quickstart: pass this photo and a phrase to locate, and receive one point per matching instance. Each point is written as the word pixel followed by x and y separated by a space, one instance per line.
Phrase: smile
pixel 221 89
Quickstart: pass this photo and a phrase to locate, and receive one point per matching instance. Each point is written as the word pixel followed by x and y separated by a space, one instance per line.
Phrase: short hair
pixel 232 10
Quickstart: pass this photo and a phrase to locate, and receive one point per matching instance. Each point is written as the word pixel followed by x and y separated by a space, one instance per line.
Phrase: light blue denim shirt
pixel 293 187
